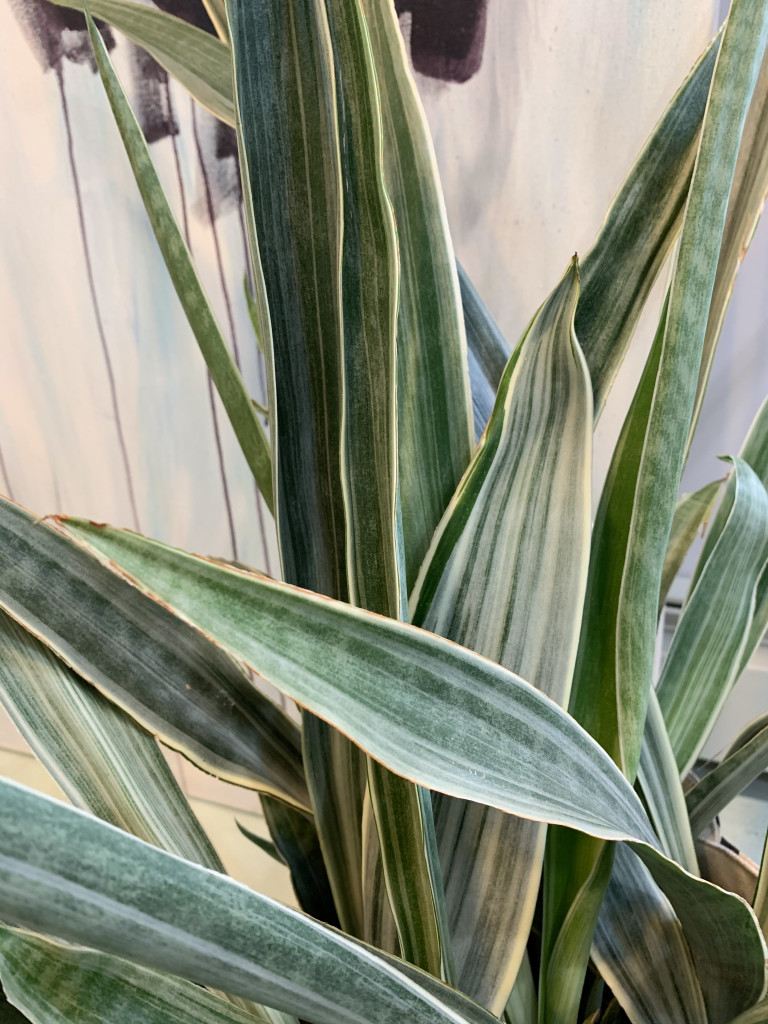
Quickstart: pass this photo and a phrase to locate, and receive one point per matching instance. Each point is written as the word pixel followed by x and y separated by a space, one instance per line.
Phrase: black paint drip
pixel 447 36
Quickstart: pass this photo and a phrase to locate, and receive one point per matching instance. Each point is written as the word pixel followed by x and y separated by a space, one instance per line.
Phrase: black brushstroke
pixel 150 97
pixel 95 301
pixel 58 34
pixel 192 11
pixel 447 36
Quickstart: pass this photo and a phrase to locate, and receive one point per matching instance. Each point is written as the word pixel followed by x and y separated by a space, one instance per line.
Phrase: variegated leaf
pixel 164 674
pixel 535 454
pixel 704 658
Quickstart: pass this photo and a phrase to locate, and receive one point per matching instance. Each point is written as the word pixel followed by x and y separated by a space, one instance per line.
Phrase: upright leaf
pixel 691 514
pixel 640 230
pixel 433 399
pixel 370 275
pixel 659 785
pixel 614 669
pixel 487 352
pixel 290 157
pixel 221 364
pixel 704 658
pixel 535 455
pixel 750 186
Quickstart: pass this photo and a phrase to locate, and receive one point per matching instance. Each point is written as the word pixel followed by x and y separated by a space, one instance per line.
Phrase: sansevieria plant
pixel 488 804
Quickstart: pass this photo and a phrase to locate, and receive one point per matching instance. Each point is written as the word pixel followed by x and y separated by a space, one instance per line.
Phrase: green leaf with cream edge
pixel 535 453
pixel 174 684
pixel 614 670
pixel 433 712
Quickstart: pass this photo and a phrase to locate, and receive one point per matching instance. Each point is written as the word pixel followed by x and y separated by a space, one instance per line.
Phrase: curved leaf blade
pixel 536 453
pixel 168 679
pixel 52 983
pixel 704 659
pixel 743 764
pixel 407 696
pixel 78 879
pixel 487 352
pixel 197 60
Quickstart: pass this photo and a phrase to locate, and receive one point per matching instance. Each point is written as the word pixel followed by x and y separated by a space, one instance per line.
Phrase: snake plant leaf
pixel 221 364
pixel 298 846
pixel 8 1013
pixel 217 12
pixel 433 394
pixel 55 983
pixel 487 352
pixel 658 781
pixel 290 159
pixel 614 668
pixel 80 880
pixel 369 281
pixel 757 1014
pixel 691 515
pixel 439 714
pixel 164 674
pixel 101 759
pixel 200 62
pixel 745 761
pixel 705 655
pixel 380 928
pixel 536 452
pixel 522 1005
pixel 750 187
pixel 733 979
pixel 754 452
pixel 640 229
pixel 641 951
pixel 433 724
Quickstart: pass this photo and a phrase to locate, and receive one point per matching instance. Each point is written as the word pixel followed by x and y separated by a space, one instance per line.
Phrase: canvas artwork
pixel 106 408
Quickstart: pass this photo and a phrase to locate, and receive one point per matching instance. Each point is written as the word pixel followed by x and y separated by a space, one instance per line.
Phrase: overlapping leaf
pixel 102 760
pixel 641 951
pixel 78 879
pixel 165 675
pixel 433 399
pixel 441 715
pixel 704 659
pixel 487 352
pixel 197 60
pixel 55 983
pixel 535 454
